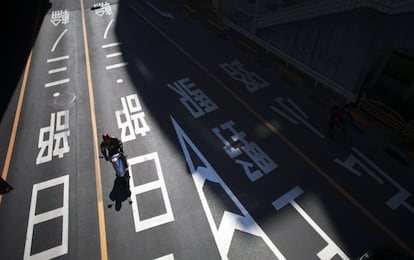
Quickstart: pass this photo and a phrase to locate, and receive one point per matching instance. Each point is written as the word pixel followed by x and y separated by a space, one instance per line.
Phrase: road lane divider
pixel 101 215
pixel 272 128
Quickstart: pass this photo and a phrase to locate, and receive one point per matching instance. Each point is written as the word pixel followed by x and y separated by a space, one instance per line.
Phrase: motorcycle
pixel 118 161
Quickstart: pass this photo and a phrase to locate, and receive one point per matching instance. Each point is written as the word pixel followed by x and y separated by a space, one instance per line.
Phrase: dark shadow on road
pixel 120 193
pixel 21 27
pixel 151 68
pixel 23 23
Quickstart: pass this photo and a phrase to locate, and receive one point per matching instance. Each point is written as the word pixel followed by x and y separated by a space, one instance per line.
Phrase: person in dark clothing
pixel 110 146
pixel 339 114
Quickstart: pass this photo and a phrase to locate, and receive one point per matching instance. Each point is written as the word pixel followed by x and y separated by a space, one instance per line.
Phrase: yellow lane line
pixel 101 215
pixel 341 190
pixel 16 121
pixel 292 75
pixel 360 119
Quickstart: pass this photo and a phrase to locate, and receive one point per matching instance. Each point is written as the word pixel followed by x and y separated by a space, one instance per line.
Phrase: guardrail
pixel 387 115
pixel 324 7
pixel 316 76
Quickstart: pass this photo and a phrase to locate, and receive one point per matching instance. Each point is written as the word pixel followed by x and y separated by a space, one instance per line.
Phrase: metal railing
pixel 317 8
pixel 316 76
pixel 387 115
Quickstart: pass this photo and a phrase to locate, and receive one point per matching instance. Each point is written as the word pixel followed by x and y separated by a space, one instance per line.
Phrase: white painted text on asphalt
pixel 159 183
pixel 131 119
pixel 399 199
pixel 35 219
pixel 251 80
pixel 59 17
pixel 235 145
pixel 193 98
pixel 53 139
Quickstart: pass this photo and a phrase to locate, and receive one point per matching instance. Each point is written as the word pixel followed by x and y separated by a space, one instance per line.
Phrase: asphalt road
pixel 227 158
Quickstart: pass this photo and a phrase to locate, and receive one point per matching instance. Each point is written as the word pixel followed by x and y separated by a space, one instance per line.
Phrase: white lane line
pixel 375 167
pixel 397 199
pixel 329 251
pixel 114 54
pixel 58 59
pixel 58 70
pixel 168 216
pixel 293 104
pixel 408 206
pixel 55 83
pixel 122 64
pixel 107 29
pixel 111 45
pixel 34 219
pixel 58 39
pixel 166 257
pixel 280 101
pixel 293 121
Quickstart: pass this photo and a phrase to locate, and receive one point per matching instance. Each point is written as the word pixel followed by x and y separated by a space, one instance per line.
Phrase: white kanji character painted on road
pixel 60 16
pixel 53 139
pixel 239 145
pixel 237 139
pixel 61 135
pixel 130 119
pixel 194 99
pixel 251 80
pixel 103 8
pixel 259 157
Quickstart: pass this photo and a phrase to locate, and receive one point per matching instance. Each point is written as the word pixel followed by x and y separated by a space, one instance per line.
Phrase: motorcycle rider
pixel 340 115
pixel 110 146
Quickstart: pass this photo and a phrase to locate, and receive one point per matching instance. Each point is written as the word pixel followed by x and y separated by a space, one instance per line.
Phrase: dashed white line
pixel 58 59
pixel 56 83
pixel 111 45
pixel 118 65
pixel 166 257
pixel 58 70
pixel 114 54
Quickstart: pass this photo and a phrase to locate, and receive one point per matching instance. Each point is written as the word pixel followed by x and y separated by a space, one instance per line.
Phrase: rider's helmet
pixel 105 136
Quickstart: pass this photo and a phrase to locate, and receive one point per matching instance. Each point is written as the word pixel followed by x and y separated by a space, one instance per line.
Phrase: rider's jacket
pixel 110 147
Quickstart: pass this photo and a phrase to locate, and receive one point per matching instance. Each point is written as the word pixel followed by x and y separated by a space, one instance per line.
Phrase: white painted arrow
pixel 230 222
